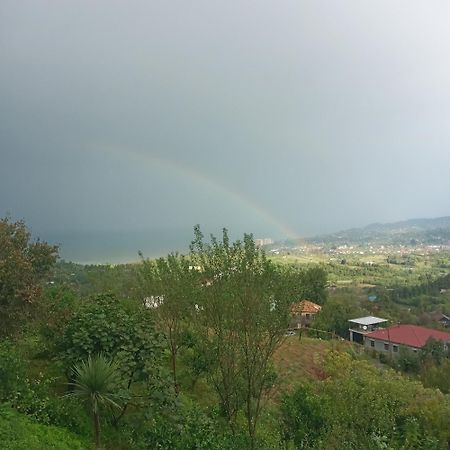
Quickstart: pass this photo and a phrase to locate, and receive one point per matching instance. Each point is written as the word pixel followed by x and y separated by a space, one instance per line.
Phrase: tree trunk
pixel 97 429
pixel 174 372
pixel 173 351
pixel 124 408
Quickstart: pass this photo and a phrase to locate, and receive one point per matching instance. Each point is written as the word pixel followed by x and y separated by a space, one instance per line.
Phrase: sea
pixel 117 247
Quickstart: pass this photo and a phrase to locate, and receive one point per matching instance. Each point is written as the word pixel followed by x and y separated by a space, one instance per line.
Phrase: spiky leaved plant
pixel 96 385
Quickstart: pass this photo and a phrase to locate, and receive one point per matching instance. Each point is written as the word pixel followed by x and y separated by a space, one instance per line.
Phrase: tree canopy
pixel 24 264
pixel 169 286
pixel 242 317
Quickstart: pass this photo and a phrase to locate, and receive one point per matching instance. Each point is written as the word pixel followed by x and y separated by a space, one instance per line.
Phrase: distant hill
pixel 408 232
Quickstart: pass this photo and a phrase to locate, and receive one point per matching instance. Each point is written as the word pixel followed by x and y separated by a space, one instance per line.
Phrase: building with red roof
pixel 303 313
pixel 411 336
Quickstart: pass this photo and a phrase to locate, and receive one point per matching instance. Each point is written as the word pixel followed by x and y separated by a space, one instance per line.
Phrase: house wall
pixel 356 336
pixel 383 346
pixel 366 328
pixel 301 320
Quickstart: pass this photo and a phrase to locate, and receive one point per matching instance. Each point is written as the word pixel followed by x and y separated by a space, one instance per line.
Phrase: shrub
pixel 35 397
pixel 119 330
pixel 302 417
pixel 408 361
pixel 12 372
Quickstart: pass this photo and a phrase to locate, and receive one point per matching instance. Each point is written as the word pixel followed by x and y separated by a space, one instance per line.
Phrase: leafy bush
pixel 407 360
pixel 359 406
pixel 437 377
pixel 35 397
pixel 24 265
pixel 302 417
pixel 12 371
pixel 120 330
pixel 57 306
pixel 183 425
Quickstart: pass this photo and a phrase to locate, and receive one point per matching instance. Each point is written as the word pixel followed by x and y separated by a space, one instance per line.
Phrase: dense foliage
pixel 170 285
pixel 95 354
pixel 358 406
pixel 243 314
pixel 122 330
pixel 23 266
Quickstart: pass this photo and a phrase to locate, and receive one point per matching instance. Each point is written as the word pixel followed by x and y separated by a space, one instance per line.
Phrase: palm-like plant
pixel 96 384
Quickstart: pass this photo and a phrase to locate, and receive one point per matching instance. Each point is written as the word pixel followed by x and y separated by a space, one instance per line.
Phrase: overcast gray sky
pixel 266 116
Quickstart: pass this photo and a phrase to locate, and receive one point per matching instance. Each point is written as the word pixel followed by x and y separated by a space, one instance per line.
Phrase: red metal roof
pixel 411 335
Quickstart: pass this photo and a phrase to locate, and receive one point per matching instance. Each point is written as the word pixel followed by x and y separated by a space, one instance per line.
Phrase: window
pixel 395 348
pixel 372 343
pixel 386 346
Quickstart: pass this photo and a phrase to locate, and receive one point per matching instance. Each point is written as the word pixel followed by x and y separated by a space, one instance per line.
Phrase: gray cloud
pixel 325 115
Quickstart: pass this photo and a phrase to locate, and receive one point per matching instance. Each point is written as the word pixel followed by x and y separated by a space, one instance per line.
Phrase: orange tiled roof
pixel 305 306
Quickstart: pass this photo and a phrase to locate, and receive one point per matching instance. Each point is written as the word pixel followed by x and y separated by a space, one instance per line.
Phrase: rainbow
pixel 197 177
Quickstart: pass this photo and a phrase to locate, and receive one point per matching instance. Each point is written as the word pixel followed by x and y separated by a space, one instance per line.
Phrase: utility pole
pixel 389 342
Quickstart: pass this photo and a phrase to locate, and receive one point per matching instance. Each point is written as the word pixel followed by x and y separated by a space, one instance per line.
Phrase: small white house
pixel 364 325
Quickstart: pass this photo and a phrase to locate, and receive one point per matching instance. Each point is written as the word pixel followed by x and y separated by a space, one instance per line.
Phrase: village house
pixel 364 325
pixel 303 313
pixel 410 336
pixel 441 318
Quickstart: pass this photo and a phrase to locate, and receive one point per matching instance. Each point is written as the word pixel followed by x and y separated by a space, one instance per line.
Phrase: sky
pixel 281 118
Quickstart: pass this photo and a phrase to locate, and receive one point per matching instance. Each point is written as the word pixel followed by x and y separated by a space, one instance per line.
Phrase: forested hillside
pixel 192 352
pixel 414 231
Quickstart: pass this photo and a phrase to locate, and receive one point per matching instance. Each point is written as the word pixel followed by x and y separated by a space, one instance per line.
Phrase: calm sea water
pixel 118 247
pixel 113 247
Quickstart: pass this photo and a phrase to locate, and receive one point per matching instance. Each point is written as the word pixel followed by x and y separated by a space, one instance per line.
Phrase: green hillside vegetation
pixel 191 352
pixel 18 432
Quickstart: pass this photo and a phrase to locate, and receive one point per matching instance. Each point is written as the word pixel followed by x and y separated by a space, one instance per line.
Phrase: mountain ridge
pixel 412 231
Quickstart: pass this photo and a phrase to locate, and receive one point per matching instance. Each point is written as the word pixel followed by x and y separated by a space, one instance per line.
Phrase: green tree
pixel 96 384
pixel 369 408
pixel 434 352
pixel 309 283
pixel 313 282
pixel 407 360
pixel 336 313
pixel 23 266
pixel 169 285
pixel 243 315
pixel 57 306
pixel 437 376
pixel 435 365
pixel 302 417
pixel 121 330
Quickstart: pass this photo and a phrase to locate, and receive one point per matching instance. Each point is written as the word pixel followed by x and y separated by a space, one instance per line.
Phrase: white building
pixel 364 325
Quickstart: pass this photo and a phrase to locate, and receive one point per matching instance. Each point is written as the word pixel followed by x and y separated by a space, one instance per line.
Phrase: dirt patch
pixel 301 360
